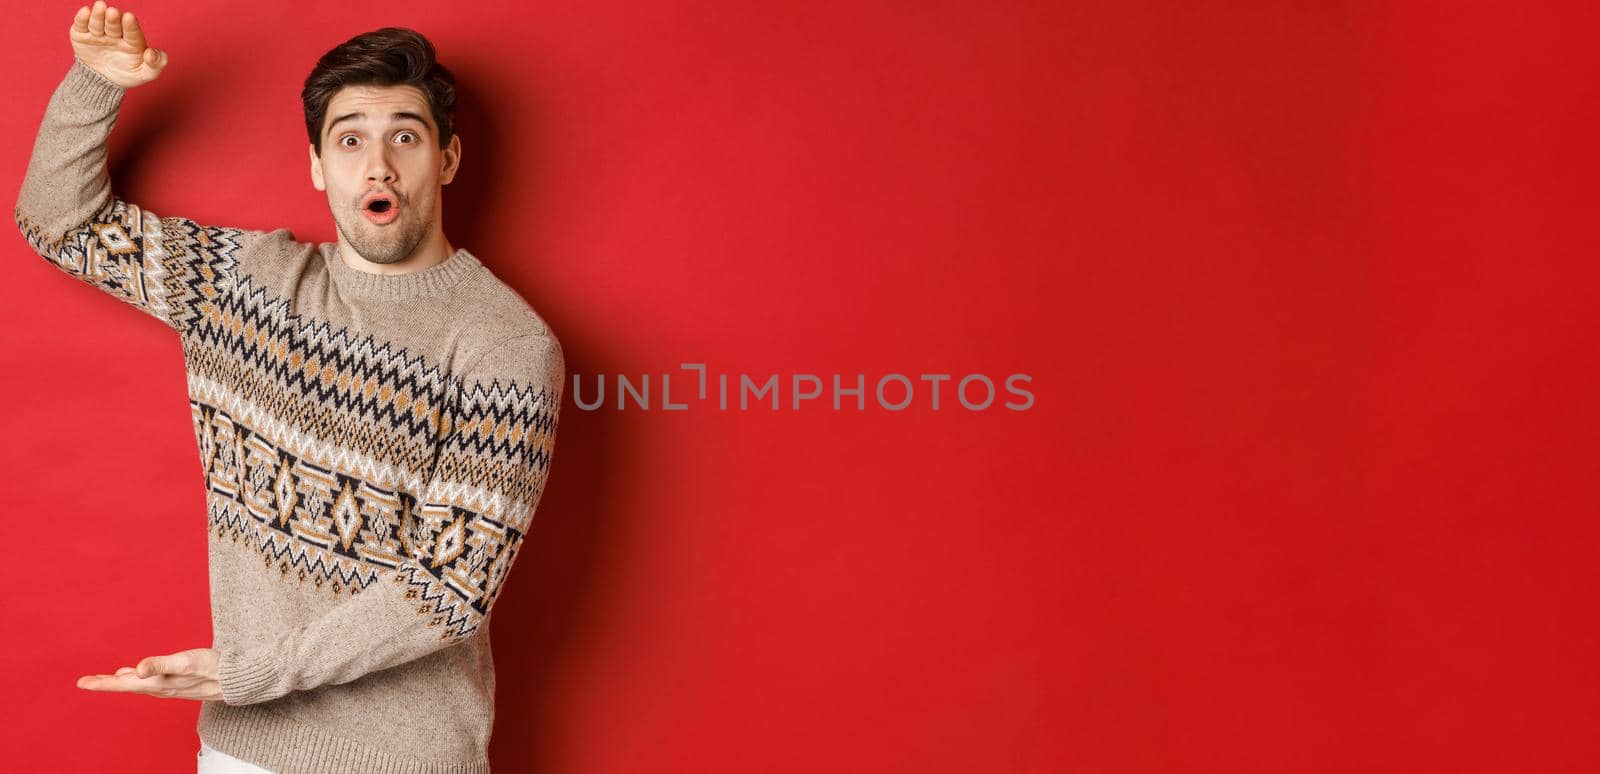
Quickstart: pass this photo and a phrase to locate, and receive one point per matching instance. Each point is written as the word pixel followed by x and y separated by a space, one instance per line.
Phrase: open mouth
pixel 380 209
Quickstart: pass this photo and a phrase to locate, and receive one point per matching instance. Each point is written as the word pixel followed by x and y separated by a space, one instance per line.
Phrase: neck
pixel 431 251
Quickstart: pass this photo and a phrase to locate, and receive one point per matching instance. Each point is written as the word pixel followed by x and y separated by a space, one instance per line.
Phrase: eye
pixel 347 137
pixel 406 133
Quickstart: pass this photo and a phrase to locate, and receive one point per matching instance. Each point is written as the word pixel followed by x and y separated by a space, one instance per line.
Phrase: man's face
pixel 382 140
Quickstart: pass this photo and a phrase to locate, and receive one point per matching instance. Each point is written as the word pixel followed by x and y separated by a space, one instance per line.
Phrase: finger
pixel 125 670
pixel 128 683
pixel 131 31
pixel 173 664
pixel 80 22
pixel 113 22
pixel 97 18
pixel 118 682
pixel 150 666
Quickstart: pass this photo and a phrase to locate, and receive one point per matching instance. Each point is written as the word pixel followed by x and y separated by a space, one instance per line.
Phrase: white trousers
pixel 214 761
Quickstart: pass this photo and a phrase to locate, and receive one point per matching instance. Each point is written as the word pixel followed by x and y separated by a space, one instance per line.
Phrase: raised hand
pixel 112 44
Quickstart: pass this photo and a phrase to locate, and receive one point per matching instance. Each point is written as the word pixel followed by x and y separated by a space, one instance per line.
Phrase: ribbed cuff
pixel 82 81
pixel 245 679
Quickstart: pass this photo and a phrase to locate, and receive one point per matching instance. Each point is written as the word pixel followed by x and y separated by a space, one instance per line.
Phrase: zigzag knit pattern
pixel 372 446
pixel 122 251
pixel 320 447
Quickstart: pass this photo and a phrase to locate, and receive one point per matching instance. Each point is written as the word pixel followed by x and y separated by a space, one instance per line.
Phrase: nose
pixel 379 170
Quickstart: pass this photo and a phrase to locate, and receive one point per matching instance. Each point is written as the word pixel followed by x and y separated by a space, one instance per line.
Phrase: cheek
pixel 428 167
pixel 334 185
pixel 332 172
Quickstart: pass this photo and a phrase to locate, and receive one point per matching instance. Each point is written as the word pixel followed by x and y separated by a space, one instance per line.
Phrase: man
pixel 375 417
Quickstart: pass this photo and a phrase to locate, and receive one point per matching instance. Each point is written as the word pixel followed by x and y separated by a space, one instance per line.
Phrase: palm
pixel 113 44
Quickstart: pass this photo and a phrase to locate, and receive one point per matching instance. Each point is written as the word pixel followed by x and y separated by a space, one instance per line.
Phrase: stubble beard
pixel 383 244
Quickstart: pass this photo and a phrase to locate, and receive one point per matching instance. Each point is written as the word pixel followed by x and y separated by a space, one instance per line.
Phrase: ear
pixel 452 160
pixel 316 169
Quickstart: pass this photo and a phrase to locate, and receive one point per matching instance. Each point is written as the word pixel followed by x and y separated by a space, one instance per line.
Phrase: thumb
pixel 149 667
pixel 155 58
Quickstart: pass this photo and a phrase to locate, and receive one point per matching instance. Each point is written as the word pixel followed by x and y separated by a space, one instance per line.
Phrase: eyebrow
pixel 398 116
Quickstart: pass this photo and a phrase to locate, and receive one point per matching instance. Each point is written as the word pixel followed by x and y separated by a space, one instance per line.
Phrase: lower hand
pixel 189 674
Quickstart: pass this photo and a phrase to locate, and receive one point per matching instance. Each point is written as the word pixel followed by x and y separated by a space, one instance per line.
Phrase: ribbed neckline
pixel 434 280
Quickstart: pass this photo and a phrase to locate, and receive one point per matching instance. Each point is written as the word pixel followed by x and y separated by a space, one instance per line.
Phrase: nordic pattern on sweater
pixel 373 448
pixel 249 359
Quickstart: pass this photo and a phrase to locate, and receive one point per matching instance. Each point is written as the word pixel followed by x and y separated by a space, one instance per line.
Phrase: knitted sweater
pixel 372 449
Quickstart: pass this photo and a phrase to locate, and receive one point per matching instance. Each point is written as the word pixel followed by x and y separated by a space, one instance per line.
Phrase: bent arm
pixel 460 539
pixel 169 268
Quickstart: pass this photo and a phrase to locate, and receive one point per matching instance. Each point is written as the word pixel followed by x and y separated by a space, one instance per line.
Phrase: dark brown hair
pixel 391 56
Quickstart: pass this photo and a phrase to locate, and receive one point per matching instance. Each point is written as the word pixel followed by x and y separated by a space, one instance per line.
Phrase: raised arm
pixel 459 539
pixel 169 268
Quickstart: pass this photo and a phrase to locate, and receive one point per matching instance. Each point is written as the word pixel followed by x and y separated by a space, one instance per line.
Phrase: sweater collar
pixel 434 280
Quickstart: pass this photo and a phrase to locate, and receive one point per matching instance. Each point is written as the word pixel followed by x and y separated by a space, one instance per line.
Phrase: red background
pixel 1305 290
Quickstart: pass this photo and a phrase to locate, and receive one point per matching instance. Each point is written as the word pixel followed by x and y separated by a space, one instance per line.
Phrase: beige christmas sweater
pixel 372 448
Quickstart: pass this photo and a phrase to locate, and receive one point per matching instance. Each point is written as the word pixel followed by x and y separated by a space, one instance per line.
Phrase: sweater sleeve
pixel 169 268
pixel 460 538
